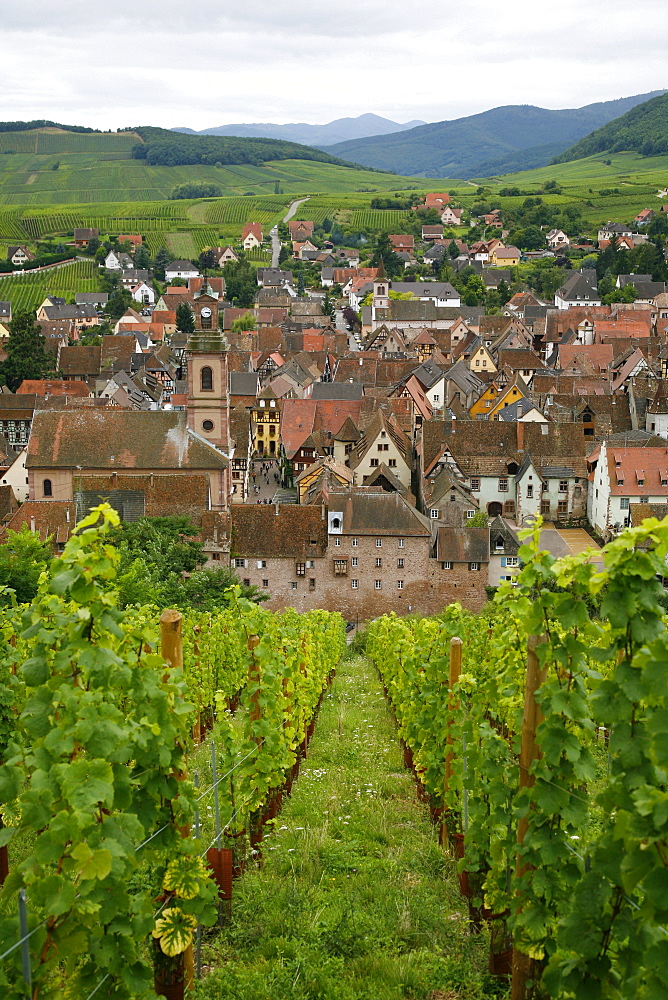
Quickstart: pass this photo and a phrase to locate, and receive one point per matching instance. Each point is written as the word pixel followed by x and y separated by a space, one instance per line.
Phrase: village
pixel 360 435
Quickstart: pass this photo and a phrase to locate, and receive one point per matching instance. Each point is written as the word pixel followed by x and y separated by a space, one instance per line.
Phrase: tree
pixel 301 284
pixel 26 352
pixel 185 321
pixel 23 556
pixel 117 303
pixel 328 305
pixel 142 258
pixel 243 323
pixel 160 262
pixel 453 250
pixel 240 283
pixel 93 246
pixel 384 251
pixel 207 260
pixel 504 292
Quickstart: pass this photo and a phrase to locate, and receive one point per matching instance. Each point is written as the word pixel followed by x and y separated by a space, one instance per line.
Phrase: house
pixel 579 289
pixel 117 260
pixel 143 293
pixel 225 255
pixel 82 237
pixel 379 555
pixel 504 545
pixel 644 217
pixel 134 239
pixel 300 229
pixel 613 230
pixel 432 232
pixel 557 238
pixel 402 242
pixel 436 199
pixel 505 256
pixel 19 255
pixel 180 269
pixel 382 442
pixel 625 469
pixel 451 216
pixel 97 299
pixel 77 315
pixel 462 557
pixel 251 236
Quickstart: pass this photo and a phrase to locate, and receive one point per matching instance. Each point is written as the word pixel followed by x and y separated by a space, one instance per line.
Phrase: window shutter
pixel 503 560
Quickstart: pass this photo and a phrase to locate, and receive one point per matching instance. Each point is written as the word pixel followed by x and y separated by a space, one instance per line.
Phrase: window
pixel 311 584
pixel 373 462
pixel 392 462
pixel 400 564
pixel 341 567
pixel 401 543
pixel 562 507
pixel 545 506
pixel 265 583
pixel 475 484
pixel 400 584
pixel 379 543
pixel 300 569
pixel 433 512
pixel 293 586
pixel 644 499
pixel 530 490
pixel 512 561
pixel 47 488
pixel 337 541
pixel 378 584
pixel 354 543
pixel 354 584
pixel 354 561
pixel 447 564
pixel 262 564
pixel 474 567
pixel 624 503
pixel 240 563
pixel 379 562
pixel 206 379
pixel 563 486
pixel 503 485
pixel 383 447
pixel 470 514
pixel 436 398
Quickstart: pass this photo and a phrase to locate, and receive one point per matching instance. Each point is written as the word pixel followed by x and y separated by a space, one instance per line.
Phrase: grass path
pixel 355 901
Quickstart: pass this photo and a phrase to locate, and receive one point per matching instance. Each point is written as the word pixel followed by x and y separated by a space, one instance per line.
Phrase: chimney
pixel 361 362
pixel 277 509
pixel 32 525
pixel 67 514
pixel 520 436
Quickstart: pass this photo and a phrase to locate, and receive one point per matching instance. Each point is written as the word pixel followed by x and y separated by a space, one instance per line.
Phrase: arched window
pixel 47 488
pixel 336 522
pixel 206 379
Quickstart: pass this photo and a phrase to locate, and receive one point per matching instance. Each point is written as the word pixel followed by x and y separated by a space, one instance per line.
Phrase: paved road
pixel 275 247
pixel 292 211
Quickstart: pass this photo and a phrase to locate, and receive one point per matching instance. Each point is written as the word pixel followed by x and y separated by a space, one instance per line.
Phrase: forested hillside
pixel 644 130
pixel 160 147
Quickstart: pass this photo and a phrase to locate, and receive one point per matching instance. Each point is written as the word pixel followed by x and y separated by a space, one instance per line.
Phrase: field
pixel 29 289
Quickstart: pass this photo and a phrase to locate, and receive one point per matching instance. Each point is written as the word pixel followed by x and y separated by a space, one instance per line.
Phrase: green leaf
pixel 184 875
pixel 174 930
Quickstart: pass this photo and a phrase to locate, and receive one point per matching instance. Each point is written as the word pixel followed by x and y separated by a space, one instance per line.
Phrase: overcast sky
pixel 171 63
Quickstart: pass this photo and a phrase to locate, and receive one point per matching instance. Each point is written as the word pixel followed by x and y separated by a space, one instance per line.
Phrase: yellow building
pixel 510 395
pixel 505 257
pixel 482 361
pixel 266 425
pixel 483 405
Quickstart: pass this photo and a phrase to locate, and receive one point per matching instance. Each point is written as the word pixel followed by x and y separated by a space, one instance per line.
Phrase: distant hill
pixel 481 144
pixel 162 147
pixel 643 129
pixel 340 130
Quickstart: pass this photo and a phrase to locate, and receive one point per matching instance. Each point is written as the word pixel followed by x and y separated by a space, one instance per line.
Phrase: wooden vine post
pixel 455 673
pixel 171 647
pixel 524 967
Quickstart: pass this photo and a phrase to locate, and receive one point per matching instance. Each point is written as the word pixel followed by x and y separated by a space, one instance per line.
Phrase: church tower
pixel 208 391
pixel 381 291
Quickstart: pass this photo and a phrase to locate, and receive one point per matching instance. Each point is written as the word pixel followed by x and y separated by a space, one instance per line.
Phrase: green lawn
pixel 28 290
pixel 356 900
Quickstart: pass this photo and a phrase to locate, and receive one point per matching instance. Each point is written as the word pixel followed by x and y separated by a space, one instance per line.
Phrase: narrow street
pixel 355 899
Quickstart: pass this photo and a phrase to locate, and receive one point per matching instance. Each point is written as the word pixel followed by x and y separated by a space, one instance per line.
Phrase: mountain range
pixel 341 130
pixel 502 140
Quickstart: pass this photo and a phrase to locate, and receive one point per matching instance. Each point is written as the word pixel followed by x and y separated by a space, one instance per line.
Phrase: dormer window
pixel 206 379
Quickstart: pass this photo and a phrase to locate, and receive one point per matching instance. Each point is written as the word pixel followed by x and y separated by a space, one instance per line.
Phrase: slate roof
pixel 375 512
pixel 118 439
pixel 80 360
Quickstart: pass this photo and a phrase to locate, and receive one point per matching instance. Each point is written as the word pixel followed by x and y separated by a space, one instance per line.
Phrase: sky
pixel 171 63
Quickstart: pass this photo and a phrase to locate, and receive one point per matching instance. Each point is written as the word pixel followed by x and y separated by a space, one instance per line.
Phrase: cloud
pixel 168 63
